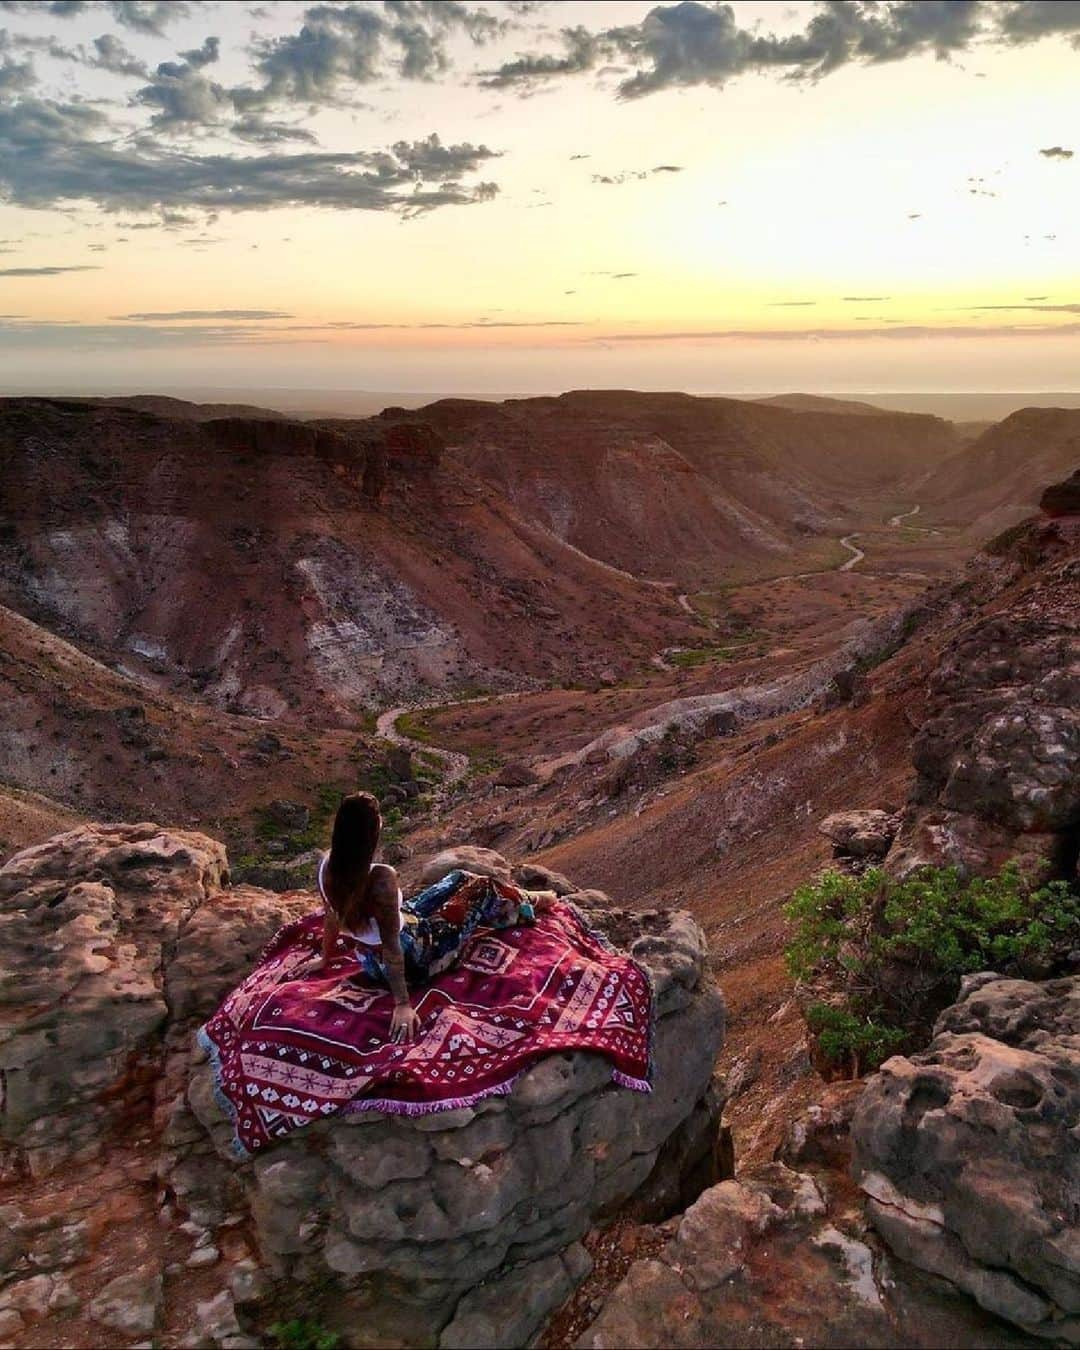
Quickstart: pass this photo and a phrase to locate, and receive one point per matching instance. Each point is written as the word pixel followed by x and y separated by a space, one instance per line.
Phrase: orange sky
pixel 884 224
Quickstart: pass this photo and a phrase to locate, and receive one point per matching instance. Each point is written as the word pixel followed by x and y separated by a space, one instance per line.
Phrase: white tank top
pixel 369 934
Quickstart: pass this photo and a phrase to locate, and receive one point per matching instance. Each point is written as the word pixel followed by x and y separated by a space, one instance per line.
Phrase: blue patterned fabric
pixel 429 943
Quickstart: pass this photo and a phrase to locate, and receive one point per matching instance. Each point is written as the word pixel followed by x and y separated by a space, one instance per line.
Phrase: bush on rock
pixel 878 959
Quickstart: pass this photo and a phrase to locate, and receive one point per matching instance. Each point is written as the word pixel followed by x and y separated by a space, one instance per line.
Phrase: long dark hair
pixel 352 850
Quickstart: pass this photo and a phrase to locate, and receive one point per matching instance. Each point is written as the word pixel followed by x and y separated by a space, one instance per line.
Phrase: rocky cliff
pixel 999 741
pixel 126 1214
pixel 284 569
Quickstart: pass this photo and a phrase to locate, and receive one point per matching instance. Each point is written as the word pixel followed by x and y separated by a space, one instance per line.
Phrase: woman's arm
pixel 404 1024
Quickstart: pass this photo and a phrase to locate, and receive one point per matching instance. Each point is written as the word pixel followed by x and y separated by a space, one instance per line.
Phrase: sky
pixel 518 198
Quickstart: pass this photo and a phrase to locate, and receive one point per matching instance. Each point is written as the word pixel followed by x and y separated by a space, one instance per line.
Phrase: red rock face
pixel 1062 499
pixel 285 569
pixel 996 481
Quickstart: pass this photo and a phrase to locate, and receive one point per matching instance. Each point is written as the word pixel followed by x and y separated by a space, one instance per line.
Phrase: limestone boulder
pixel 772 1258
pixel 536 877
pixel 969 1155
pixel 861 834
pixel 113 936
pixel 484 862
pixel 460 1227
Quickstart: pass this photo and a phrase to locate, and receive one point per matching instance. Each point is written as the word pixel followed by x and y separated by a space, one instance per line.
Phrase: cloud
pixel 840 334
pixel 1029 20
pixel 172 315
pixel 863 299
pixel 692 43
pixel 182 96
pixel 668 168
pixel 43 271
pixel 583 52
pixel 261 131
pixel 341 46
pixel 1044 309
pixel 63 152
pixel 110 54
pixel 46 335
pixel 143 16
pixel 349 325
pixel 789 304
pixel 1056 152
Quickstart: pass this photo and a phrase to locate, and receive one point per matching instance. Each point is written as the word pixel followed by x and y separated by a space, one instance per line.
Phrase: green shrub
pixel 302 1334
pixel 877 959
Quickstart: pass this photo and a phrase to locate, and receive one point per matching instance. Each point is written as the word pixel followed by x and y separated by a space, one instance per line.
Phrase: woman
pixel 400 942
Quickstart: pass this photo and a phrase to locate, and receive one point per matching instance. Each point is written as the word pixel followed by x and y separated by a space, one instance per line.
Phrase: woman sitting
pixel 399 942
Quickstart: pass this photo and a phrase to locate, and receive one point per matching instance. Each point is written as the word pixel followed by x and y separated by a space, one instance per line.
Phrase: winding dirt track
pixel 456 765
pixel 857 554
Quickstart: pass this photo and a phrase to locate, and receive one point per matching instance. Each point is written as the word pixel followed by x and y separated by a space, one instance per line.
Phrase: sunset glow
pixel 890 223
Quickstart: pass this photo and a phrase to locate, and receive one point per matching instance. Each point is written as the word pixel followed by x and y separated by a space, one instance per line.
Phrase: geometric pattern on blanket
pixel 288 1048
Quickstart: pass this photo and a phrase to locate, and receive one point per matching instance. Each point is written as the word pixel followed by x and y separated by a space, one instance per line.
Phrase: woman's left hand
pixel 404 1024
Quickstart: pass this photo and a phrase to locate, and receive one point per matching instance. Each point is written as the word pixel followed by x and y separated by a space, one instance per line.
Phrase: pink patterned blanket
pixel 288 1049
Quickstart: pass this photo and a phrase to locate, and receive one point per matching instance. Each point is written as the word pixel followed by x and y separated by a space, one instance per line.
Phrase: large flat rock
pixel 969 1153
pixel 396 1224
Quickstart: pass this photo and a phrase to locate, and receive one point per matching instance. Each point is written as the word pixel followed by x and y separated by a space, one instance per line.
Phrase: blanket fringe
pixel 214 1056
pixel 393 1107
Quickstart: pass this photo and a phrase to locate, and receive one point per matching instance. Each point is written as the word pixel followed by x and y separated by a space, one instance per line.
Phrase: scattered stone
pixel 998 750
pixel 291 816
pixel 483 861
pixel 215 1321
pixel 59 1246
pixel 202 1256
pixel 130 1302
pixel 861 834
pixel 63 1298
pixel 535 877
pixel 399 763
pixel 11 1324
pixel 745 1072
pixel 249 1283
pixel 516 774
pixel 29 1297
pixel 821 1136
pixel 763 1261
pixel 294 875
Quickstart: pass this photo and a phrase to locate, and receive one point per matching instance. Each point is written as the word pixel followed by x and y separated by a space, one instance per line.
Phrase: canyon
pixel 687 652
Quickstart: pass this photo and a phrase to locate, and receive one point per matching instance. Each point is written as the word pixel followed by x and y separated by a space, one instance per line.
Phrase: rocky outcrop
pixel 860 834
pixel 84 922
pixel 456 1229
pixel 484 862
pixel 998 752
pixel 1062 499
pixel 424 1231
pixel 967 1153
pixel 777 1258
